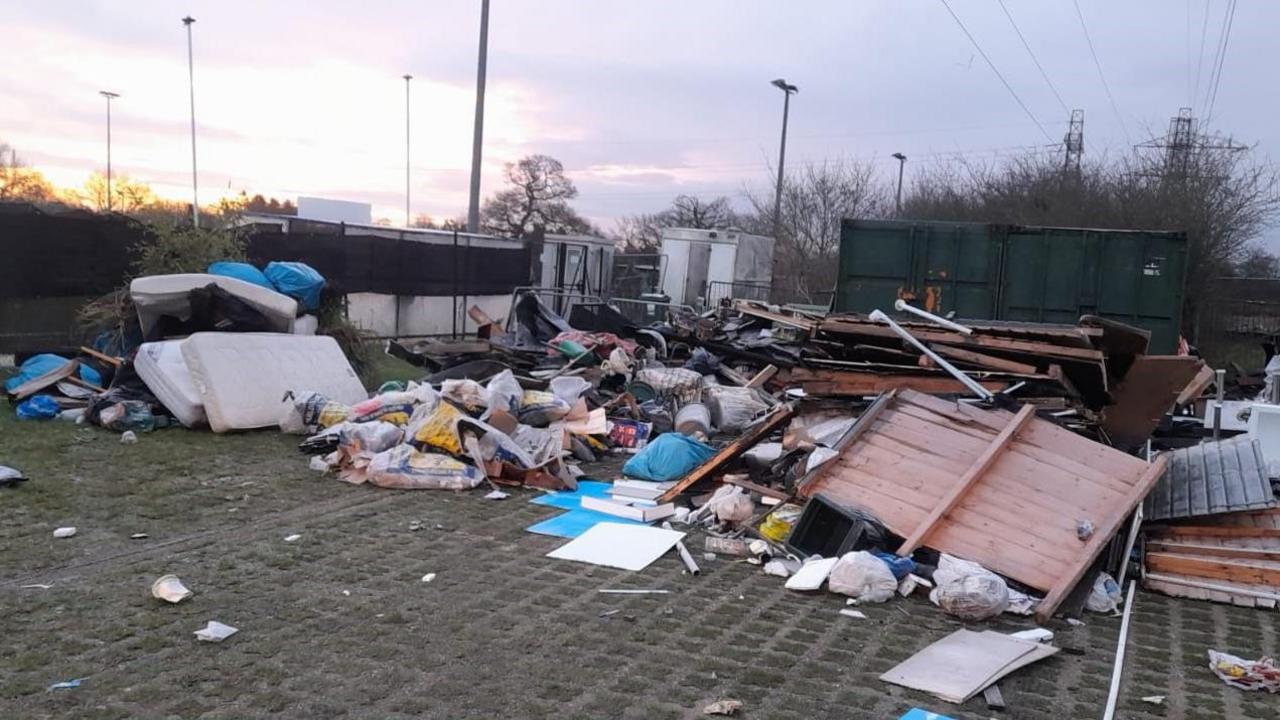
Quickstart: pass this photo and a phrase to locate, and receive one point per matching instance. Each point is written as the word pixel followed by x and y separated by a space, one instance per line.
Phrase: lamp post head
pixel 899 157
pixel 188 20
pixel 407 78
pixel 784 86
pixel 108 94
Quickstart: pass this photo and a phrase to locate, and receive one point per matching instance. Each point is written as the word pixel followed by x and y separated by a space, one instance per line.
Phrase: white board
pixel 812 574
pixel 962 664
pixel 626 547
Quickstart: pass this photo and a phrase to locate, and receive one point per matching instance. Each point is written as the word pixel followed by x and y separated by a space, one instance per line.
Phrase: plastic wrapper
pixel 569 389
pixel 863 576
pixel 368 438
pixel 405 468
pixel 504 392
pixel 307 412
pixel 125 415
pixel 392 407
pixel 733 408
pixel 439 430
pixel 1104 596
pixel 1261 674
pixel 467 394
pixel 630 434
pixel 539 408
pixel 968 590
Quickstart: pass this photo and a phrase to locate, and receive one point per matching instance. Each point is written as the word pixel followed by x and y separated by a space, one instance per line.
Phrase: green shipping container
pixel 1010 272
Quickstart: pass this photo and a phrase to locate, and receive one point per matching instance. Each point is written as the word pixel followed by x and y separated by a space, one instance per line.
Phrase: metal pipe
pixel 903 306
pixel 1220 382
pixel 974 387
pixel 477 135
pixel 689 564
pixel 1114 694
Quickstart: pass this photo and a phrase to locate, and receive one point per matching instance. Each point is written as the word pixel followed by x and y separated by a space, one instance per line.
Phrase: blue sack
pixel 38 407
pixel 669 457
pixel 898 565
pixel 297 280
pixel 38 365
pixel 240 271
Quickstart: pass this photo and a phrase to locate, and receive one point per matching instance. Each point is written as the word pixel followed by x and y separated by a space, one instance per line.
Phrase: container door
pixel 1049 274
pixel 695 280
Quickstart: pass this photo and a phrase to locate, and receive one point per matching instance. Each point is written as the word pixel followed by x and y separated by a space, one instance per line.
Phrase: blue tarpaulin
pixel 297 280
pixel 241 271
pixel 669 457
pixel 38 365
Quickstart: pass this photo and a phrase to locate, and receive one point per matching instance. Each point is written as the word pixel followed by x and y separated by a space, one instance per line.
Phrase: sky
pixel 641 101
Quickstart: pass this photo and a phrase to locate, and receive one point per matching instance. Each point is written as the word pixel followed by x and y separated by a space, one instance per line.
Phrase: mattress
pixel 242 378
pixel 157 295
pixel 162 368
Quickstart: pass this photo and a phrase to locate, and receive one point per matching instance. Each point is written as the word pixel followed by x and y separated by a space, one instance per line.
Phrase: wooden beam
pixel 1202 380
pixel 1238 553
pixel 113 361
pixel 763 376
pixel 854 383
pixel 746 440
pixel 1101 536
pixel 975 341
pixel 971 476
pixel 987 361
pixel 1252 572
pixel 753 487
pixel 1212 531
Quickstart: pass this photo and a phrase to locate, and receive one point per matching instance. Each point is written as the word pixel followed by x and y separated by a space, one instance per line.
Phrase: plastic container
pixel 693 418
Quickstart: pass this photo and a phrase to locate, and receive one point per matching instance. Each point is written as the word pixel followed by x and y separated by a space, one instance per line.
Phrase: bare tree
pixel 537 195
pixel 643 233
pixel 815 199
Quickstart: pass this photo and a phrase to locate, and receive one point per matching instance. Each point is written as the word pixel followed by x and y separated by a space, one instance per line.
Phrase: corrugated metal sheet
pixel 1211 478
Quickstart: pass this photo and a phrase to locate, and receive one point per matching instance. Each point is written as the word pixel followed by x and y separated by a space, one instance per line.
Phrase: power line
pixel 1204 29
pixel 1098 64
pixel 1030 52
pixel 1222 57
pixel 995 70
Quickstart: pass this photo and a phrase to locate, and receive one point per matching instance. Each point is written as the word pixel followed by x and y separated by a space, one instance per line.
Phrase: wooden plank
pixel 1196 588
pixel 1212 531
pixel 731 451
pixel 986 361
pixel 746 308
pixel 1196 387
pixel 753 487
pixel 1102 534
pixel 763 376
pixel 854 383
pixel 971 476
pixel 113 361
pixel 976 341
pixel 1148 391
pixel 1255 572
pixel 860 426
pixel 49 379
pixel 74 380
pixel 1241 553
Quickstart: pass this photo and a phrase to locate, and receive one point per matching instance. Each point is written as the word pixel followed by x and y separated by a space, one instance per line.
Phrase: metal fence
pixel 718 290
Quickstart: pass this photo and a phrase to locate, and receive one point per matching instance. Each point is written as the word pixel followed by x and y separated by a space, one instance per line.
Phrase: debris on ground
pixel 215 631
pixel 170 589
pixel 723 707
pixel 64 532
pixel 10 477
pixel 1262 674
pixel 67 684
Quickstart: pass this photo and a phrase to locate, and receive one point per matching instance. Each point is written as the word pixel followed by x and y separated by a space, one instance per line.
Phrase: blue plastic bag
pixel 240 271
pixel 898 565
pixel 669 457
pixel 38 365
pixel 297 280
pixel 38 407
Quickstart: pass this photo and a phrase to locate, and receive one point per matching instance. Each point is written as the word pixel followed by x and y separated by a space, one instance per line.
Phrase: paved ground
pixel 338 624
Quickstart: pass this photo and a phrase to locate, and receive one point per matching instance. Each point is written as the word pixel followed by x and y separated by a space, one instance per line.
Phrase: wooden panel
pixel 1257 572
pixel 1212 531
pixel 967 480
pixel 987 361
pixel 1148 391
pixel 1241 553
pixel 838 383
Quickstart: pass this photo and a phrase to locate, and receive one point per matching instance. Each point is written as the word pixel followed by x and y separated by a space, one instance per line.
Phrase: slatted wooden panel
pixel 1229 558
pixel 1019 518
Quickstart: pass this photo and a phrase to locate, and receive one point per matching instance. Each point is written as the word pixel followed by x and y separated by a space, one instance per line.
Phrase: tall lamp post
pixel 408 218
pixel 787 90
pixel 897 203
pixel 477 134
pixel 109 96
pixel 191 81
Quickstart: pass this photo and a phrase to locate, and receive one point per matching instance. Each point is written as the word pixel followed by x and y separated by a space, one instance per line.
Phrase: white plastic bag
pixel 968 590
pixel 504 392
pixel 729 504
pixel 1105 595
pixel 467 393
pixel 569 389
pixel 863 576
pixel 733 408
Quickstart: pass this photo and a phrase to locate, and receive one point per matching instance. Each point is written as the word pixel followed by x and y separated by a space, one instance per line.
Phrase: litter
pixel 634 592
pixel 627 547
pixel 64 532
pixel 1262 674
pixel 812 574
pixel 428 577
pixel 723 707
pixel 1154 699
pixel 10 477
pixel 292 538
pixel 496 495
pixel 215 631
pixel 67 684
pixel 170 589
pixel 857 614
pixel 862 576
pixel 128 437
pixel 960 665
pixel 669 457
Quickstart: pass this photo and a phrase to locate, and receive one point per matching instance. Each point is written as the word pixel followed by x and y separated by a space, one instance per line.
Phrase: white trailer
pixel 705 266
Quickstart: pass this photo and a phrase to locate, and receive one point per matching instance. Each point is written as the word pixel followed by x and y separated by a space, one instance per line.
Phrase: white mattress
pixel 157 295
pixel 242 378
pixel 161 367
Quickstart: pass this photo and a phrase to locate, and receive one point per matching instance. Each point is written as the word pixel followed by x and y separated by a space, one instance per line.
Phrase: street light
pixel 191 80
pixel 782 151
pixel 408 219
pixel 109 96
pixel 477 135
pixel 897 204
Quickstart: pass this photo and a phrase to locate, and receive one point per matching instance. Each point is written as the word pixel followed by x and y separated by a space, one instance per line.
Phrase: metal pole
pixel 897 203
pixel 1220 386
pixel 782 158
pixel 108 95
pixel 191 79
pixel 477 135
pixel 968 382
pixel 902 306
pixel 408 218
